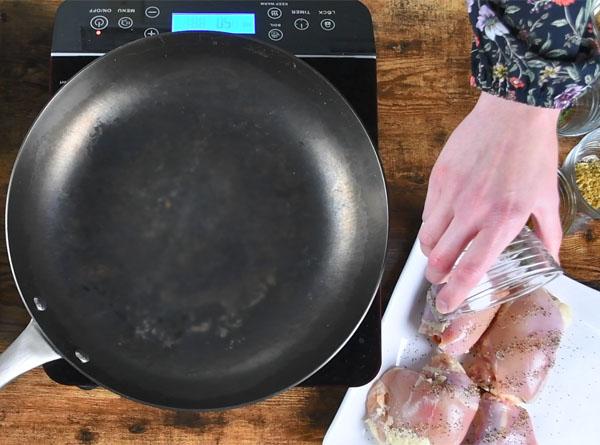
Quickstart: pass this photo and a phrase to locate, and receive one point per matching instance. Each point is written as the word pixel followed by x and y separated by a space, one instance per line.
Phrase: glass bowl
pixel 524 266
pixel 588 148
pixel 582 116
pixel 568 203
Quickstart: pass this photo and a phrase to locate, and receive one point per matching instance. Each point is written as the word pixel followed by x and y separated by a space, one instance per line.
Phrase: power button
pixel 99 22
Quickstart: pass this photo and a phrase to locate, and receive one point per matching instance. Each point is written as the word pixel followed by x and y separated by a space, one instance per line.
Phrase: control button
pixel 327 24
pixel 274 13
pixel 125 22
pixel 275 35
pixel 152 12
pixel 301 24
pixel 151 32
pixel 99 22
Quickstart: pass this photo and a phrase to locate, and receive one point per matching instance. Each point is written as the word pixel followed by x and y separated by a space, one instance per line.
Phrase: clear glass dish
pixel 587 149
pixel 568 203
pixel 583 115
pixel 524 266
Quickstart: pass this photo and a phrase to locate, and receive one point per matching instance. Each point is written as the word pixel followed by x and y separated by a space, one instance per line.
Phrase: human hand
pixel 496 170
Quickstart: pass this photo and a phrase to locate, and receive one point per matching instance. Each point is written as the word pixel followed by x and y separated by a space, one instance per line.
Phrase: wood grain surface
pixel 423 63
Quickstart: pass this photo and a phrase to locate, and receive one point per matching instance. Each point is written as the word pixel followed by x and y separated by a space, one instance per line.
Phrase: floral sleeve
pixel 540 52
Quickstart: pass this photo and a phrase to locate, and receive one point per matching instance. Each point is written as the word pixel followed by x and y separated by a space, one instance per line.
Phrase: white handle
pixel 28 351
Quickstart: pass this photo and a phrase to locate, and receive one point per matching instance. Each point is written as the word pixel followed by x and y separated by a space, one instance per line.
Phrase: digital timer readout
pixel 235 23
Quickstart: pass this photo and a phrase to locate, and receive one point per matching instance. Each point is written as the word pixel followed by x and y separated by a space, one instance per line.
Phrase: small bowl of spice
pixel 582 116
pixel 582 173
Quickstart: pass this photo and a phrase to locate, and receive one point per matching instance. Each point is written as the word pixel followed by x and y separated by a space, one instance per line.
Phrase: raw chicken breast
pixel 513 357
pixel 499 422
pixel 433 407
pixel 457 335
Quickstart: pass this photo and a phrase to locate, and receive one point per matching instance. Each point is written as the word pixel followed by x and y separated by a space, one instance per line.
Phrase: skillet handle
pixel 28 351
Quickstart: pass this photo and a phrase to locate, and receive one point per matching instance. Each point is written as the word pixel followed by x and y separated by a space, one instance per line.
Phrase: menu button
pixel 125 22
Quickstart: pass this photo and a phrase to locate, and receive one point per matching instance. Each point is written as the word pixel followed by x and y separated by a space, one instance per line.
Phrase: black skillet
pixel 197 221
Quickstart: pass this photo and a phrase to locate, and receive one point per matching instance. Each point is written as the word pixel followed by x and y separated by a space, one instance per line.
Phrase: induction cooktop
pixel 335 37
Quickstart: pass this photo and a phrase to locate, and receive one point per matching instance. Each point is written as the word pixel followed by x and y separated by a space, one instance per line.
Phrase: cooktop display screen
pixel 235 23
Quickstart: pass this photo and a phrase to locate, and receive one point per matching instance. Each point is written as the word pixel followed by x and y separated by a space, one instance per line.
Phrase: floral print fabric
pixel 540 52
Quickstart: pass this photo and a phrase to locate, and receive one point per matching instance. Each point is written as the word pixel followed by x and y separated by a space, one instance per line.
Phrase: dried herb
pixel 587 175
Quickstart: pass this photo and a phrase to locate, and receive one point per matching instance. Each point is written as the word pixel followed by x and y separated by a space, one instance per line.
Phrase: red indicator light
pixel 98 32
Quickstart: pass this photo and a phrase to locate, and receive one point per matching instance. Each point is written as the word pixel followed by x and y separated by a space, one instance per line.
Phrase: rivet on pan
pixel 40 304
pixel 82 356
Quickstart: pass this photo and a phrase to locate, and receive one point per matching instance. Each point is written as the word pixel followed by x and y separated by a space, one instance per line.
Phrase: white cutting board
pixel 565 411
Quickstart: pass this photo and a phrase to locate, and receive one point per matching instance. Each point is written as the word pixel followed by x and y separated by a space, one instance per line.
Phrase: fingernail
pixel 557 258
pixel 441 306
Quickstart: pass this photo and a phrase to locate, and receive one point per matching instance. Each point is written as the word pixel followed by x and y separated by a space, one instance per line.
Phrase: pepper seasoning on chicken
pixel 514 355
pixel 499 422
pixel 433 407
pixel 458 334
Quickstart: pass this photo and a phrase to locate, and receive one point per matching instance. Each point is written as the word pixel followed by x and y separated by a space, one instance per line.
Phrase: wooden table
pixel 423 94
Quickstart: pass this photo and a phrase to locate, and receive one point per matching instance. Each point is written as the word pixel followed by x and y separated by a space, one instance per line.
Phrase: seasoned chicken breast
pixel 457 335
pixel 500 422
pixel 431 407
pixel 514 355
